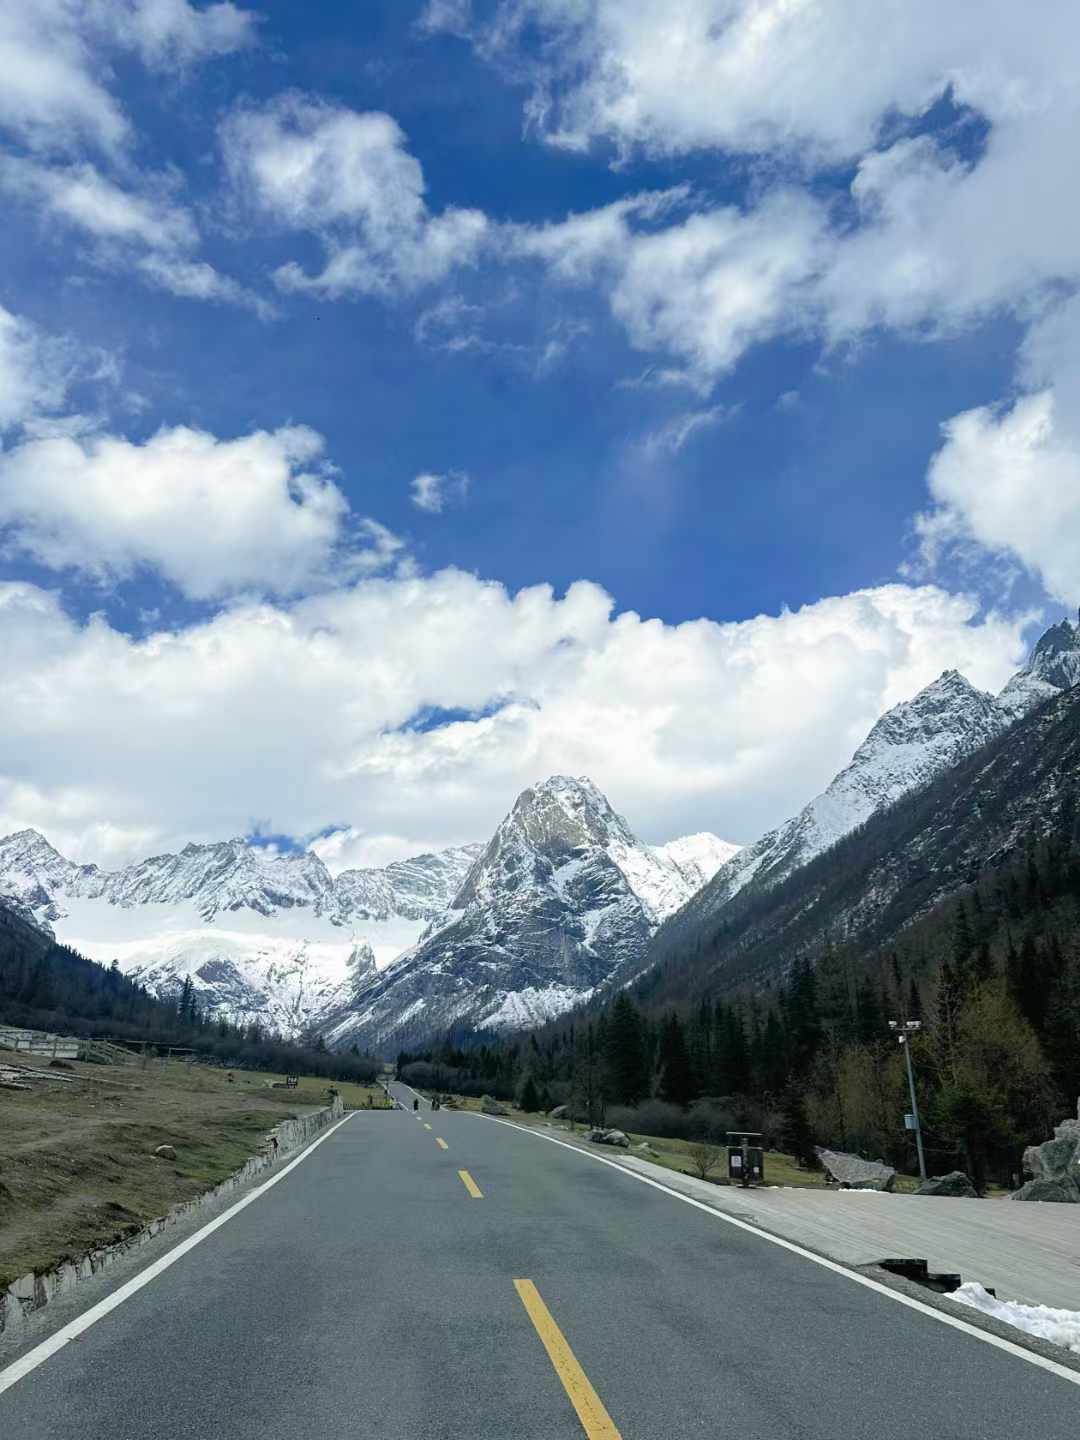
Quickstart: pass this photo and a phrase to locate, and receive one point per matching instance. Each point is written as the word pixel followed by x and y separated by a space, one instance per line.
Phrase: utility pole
pixel 903 1030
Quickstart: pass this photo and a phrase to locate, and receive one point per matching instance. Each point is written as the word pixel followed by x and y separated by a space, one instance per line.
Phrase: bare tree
pixel 705 1156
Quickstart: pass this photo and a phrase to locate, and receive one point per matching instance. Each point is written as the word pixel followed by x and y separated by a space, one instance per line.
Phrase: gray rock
pixel 610 1137
pixel 1062 1192
pixel 559 1113
pixel 1054 1166
pixel 492 1107
pixel 852 1172
pixel 955 1183
pixel 165 1152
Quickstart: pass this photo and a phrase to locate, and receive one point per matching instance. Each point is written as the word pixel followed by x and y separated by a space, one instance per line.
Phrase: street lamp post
pixel 903 1030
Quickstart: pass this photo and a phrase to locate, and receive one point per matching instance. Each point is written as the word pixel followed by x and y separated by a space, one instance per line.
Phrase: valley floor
pixel 414 1277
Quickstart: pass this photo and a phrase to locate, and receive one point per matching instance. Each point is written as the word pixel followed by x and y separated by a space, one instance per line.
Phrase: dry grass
pixel 77 1163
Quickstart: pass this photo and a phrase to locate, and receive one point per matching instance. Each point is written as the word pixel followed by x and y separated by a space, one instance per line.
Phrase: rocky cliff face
pixel 562 900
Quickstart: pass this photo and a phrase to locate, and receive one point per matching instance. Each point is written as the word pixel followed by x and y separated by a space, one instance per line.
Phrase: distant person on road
pixel 416 1104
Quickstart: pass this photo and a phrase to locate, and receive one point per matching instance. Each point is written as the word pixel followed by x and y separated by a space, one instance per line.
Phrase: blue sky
pixel 780 360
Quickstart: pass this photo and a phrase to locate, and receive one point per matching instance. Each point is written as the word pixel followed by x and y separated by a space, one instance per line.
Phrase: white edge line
pixel 40 1353
pixel 1031 1356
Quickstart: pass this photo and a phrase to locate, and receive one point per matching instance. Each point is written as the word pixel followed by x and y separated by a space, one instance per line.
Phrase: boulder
pixel 852 1172
pixel 490 1106
pixel 1054 1166
pixel 955 1183
pixel 165 1152
pixel 561 1112
pixel 610 1137
pixel 1061 1192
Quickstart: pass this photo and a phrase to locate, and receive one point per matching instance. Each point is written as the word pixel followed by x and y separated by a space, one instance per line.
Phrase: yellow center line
pixel 426 1125
pixel 595 1420
pixel 443 1143
pixel 470 1185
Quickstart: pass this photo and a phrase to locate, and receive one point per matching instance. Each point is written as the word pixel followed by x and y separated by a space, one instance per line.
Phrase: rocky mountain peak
pixel 1054 665
pixel 1056 656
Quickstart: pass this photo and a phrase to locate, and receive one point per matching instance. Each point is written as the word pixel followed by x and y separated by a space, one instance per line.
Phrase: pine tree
pixel 796 1136
pixel 530 1096
pixel 676 1073
pixel 627 1070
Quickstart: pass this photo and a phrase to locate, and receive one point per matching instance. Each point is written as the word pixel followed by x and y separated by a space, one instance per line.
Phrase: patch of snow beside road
pixel 1060 1327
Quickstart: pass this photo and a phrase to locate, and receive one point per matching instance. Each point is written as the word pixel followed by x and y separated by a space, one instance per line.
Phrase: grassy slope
pixel 675 1154
pixel 77 1168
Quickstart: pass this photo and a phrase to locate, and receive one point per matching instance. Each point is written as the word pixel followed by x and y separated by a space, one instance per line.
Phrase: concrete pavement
pixel 371 1294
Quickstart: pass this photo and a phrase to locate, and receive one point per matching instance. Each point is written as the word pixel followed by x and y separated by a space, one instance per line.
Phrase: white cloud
pixel 34 370
pixel 54 59
pixel 348 177
pixel 811 80
pixel 448 17
pixel 670 437
pixel 145 231
pixel 82 196
pixel 433 493
pixel 212 517
pixel 706 287
pixel 173 33
pixel 1008 480
pixel 302 712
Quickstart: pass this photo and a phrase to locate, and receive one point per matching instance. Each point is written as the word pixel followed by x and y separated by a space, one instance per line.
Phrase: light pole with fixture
pixel 904 1030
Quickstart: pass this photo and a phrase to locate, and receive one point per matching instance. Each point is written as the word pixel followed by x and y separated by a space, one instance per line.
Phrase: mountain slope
pixel 563 898
pixel 910 745
pixel 262 936
pixel 884 875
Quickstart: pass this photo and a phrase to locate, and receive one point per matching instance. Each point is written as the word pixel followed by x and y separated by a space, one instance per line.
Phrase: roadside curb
pixel 31 1294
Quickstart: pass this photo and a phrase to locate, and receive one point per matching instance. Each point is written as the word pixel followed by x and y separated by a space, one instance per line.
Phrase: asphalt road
pixel 371 1295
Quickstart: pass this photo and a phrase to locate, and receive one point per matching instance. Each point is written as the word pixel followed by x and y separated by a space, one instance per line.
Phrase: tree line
pixel 45 986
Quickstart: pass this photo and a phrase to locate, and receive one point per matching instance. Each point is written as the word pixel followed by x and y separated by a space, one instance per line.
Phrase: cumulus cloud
pixel 349 178
pixel 1008 480
pixel 54 59
pixel 810 80
pixel 725 726
pixel 213 517
pixel 434 493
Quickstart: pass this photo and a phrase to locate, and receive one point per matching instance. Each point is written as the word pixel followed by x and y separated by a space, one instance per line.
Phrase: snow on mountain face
pixel 911 744
pixel 1054 666
pixel 564 897
pixel 261 935
pixel 698 857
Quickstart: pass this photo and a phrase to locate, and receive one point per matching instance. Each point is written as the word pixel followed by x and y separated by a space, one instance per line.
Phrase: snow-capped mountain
pixel 262 936
pixel 911 744
pixel 564 898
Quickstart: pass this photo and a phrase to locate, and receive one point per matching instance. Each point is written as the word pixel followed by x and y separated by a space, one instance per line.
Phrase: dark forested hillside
pixel 47 986
pixel 876 881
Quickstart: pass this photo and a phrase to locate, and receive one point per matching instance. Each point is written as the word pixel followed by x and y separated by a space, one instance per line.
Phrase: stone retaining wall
pixel 33 1292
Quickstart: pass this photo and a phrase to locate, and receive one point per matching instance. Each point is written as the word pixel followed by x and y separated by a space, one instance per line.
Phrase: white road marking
pixel 1073 1376
pixel 40 1353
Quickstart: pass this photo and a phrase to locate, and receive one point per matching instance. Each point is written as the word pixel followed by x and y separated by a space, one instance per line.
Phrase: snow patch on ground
pixel 1060 1327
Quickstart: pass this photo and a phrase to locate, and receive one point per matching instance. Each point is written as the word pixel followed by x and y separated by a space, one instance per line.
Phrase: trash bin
pixel 746 1157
